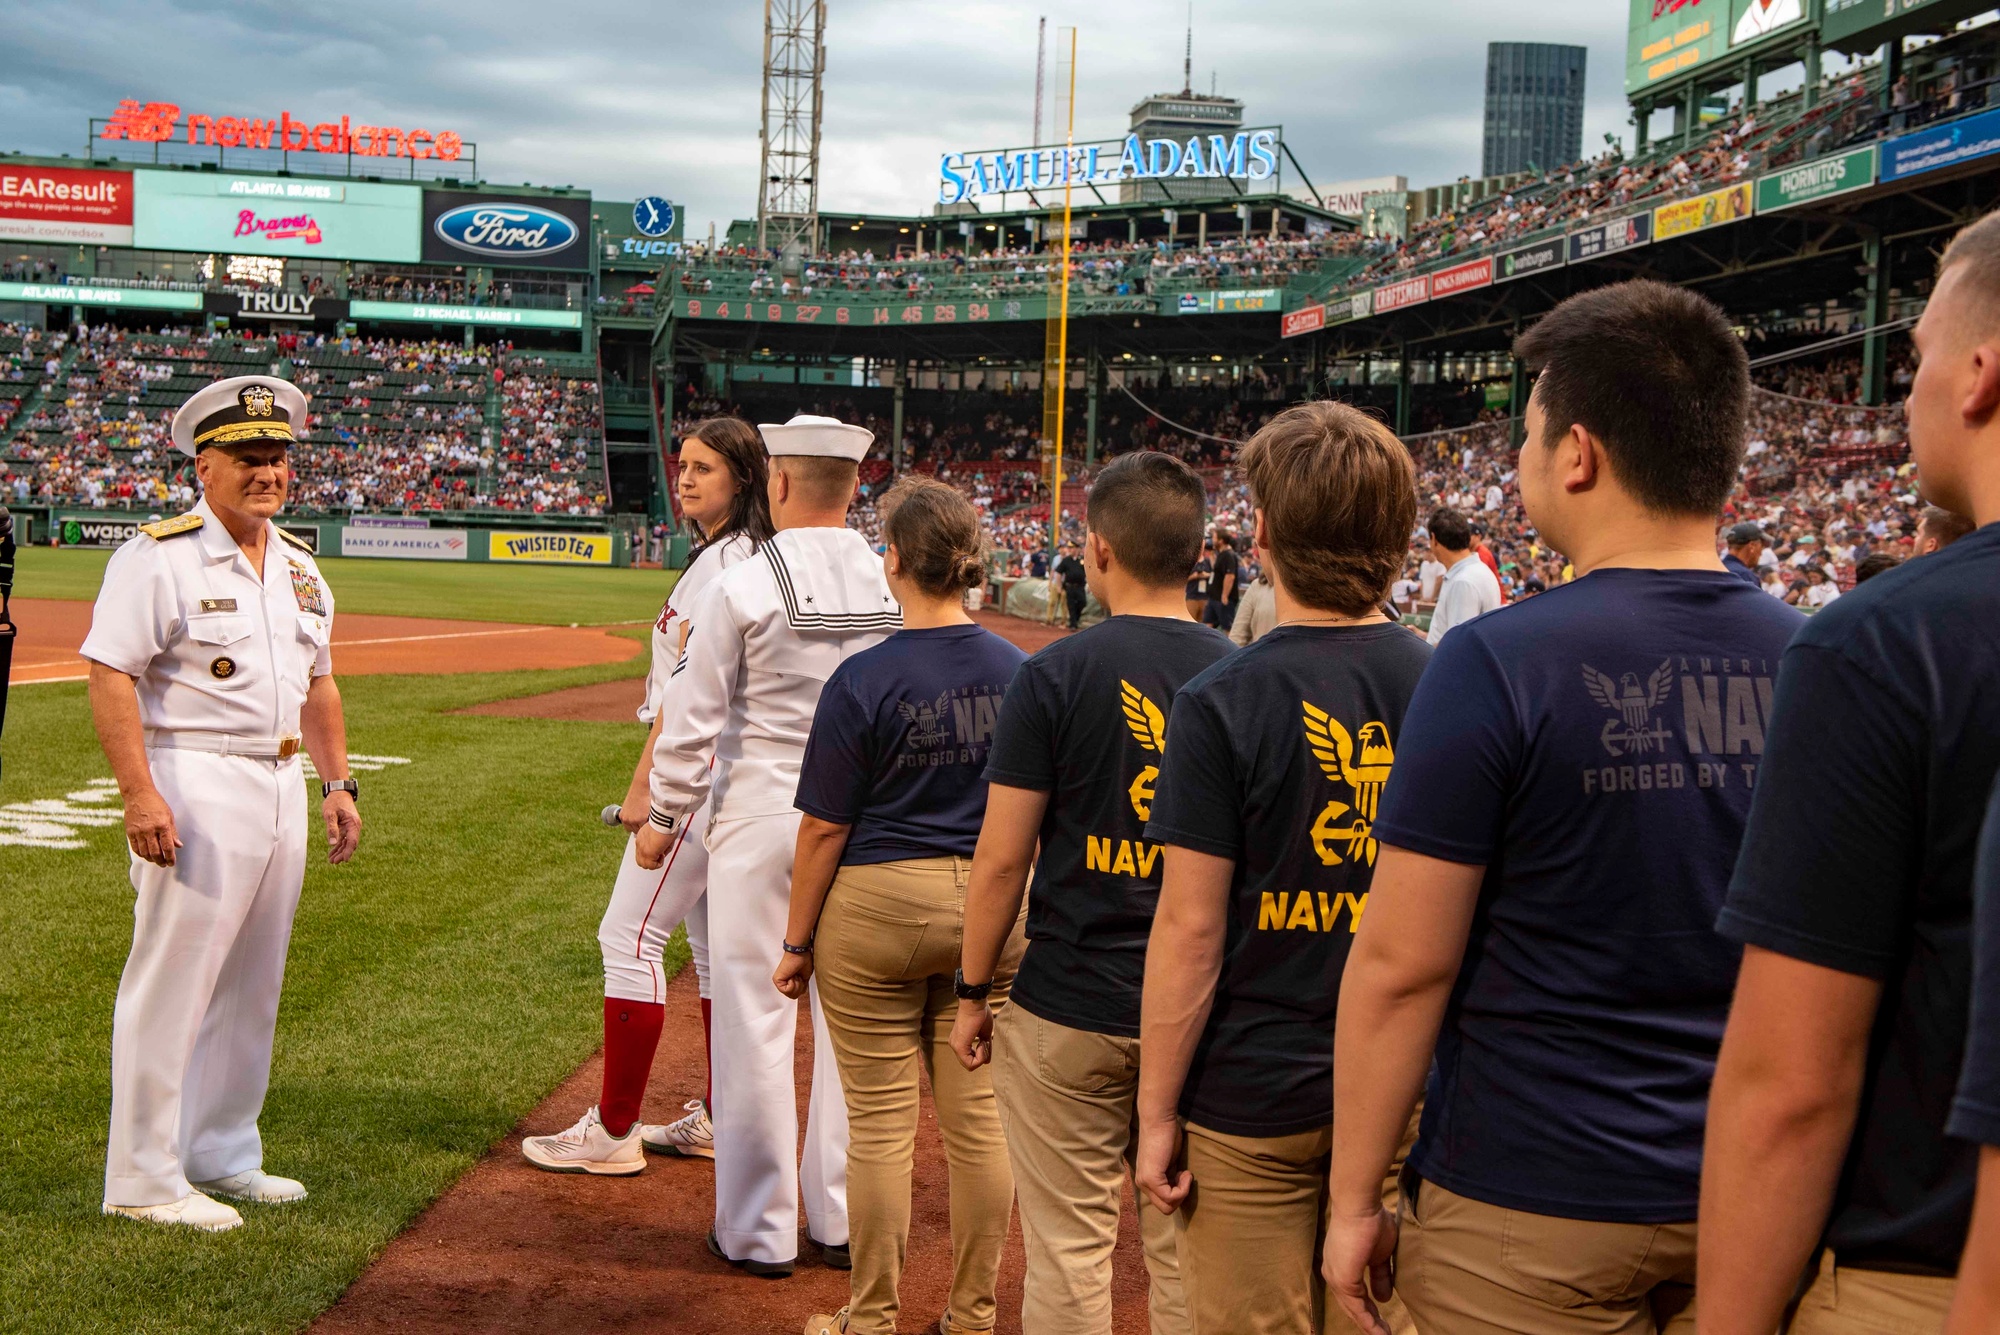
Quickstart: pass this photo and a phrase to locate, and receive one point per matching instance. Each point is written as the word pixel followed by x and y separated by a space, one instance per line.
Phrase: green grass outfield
pixel 476 591
pixel 439 986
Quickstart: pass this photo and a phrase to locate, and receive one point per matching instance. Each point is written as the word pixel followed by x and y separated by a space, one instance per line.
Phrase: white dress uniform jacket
pixel 766 637
pixel 223 656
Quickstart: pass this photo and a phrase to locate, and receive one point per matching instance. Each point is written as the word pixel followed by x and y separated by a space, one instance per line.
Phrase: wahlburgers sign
pixel 1819 179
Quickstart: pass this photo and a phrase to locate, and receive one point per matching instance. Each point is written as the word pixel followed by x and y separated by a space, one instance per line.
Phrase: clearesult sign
pixel 1727 205
pixel 1462 278
pixel 66 204
pixel 538 232
pixel 556 548
pixel 1821 178
pixel 1529 260
pixel 1607 238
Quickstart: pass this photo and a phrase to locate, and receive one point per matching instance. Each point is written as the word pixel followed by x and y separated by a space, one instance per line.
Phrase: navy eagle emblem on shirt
pixel 1634 730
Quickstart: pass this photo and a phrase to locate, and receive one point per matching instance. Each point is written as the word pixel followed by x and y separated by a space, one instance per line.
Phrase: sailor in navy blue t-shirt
pixel 1571 786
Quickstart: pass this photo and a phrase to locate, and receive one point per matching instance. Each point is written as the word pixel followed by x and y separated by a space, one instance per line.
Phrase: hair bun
pixel 971 570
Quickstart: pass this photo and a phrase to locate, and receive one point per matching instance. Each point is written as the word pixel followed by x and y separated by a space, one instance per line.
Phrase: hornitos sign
pixel 1245 155
pixel 1818 179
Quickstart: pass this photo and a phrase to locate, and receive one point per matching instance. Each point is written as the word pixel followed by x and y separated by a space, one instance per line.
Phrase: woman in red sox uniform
pixel 721 490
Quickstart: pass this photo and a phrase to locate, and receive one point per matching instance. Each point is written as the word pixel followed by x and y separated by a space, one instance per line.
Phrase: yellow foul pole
pixel 1055 361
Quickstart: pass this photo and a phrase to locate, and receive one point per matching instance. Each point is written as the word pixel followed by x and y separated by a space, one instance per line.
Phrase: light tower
pixel 794 60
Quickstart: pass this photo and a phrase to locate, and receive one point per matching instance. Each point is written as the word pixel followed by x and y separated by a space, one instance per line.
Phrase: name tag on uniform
pixel 306 589
pixel 218 604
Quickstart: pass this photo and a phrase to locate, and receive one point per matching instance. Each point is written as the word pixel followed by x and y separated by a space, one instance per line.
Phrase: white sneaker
pixel 257 1186
pixel 693 1137
pixel 587 1148
pixel 193 1210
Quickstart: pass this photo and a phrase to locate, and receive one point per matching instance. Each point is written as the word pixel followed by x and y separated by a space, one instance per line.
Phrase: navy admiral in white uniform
pixel 767 634
pixel 209 670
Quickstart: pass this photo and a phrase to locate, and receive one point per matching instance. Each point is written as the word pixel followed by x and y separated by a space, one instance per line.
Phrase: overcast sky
pixel 627 98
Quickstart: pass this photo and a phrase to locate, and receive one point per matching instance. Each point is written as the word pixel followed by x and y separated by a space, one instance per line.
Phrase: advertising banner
pixel 1605 238
pixel 72 204
pixel 209 213
pixel 295 306
pixel 1361 305
pixel 306 533
pixel 545 232
pixel 79 294
pixel 1941 146
pixel 95 530
pixel 390 521
pixel 593 549
pixel 1462 278
pixel 1408 292
pixel 1751 21
pixel 1529 260
pixel 1255 299
pixel 645 231
pixel 1854 26
pixel 1664 38
pixel 1302 321
pixel 1821 178
pixel 443 544
pixel 889 313
pixel 1728 205
pixel 475 315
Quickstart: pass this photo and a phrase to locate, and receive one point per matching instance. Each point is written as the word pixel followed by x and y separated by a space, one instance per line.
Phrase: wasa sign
pixel 1819 179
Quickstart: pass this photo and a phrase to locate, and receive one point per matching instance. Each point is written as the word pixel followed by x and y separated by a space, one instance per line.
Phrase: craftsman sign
pixel 1821 178
pixel 1408 292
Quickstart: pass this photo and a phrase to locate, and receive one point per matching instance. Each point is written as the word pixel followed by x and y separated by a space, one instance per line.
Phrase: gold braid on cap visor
pixel 230 433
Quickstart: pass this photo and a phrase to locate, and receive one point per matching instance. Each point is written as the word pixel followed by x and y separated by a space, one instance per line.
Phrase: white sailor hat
pixel 239 410
pixel 827 437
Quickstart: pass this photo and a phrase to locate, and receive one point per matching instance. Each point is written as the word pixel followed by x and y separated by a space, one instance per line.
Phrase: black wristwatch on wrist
pixel 348 786
pixel 969 991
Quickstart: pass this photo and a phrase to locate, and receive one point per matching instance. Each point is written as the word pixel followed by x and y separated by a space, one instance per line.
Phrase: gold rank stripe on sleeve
pixel 161 529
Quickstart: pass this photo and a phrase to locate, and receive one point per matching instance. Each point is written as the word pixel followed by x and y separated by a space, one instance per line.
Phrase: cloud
pixel 628 98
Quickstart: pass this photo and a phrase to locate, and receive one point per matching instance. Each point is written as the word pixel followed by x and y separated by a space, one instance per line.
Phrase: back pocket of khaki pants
pixel 1076 1059
pixel 876 942
pixel 1570 1263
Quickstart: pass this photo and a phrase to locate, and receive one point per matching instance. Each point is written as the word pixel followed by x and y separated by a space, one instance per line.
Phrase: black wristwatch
pixel 348 786
pixel 969 991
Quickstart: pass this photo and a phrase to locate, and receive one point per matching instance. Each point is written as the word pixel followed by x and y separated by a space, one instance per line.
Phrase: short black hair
pixel 1656 373
pixel 1449 529
pixel 1148 506
pixel 1873 564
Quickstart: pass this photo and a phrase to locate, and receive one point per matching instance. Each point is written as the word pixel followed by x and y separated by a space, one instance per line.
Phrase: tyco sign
pixel 562 548
pixel 1247 154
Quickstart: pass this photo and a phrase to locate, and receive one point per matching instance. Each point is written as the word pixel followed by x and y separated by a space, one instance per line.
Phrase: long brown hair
pixel 743 450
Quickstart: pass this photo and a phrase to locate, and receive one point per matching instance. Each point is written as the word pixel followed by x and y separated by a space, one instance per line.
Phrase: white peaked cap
pixel 241 410
pixel 826 437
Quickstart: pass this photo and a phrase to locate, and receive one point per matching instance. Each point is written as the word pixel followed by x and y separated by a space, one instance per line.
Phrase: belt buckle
pixel 287 747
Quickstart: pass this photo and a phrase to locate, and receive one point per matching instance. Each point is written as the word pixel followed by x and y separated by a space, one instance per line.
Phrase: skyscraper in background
pixel 1534 106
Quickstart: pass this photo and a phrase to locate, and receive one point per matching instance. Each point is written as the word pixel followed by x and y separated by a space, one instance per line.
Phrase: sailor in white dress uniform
pixel 766 636
pixel 209 670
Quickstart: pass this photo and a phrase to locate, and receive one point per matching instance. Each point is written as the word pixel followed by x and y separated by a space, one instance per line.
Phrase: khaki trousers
pixel 887 946
pixel 1466 1266
pixel 1846 1301
pixel 1068 1099
pixel 1252 1231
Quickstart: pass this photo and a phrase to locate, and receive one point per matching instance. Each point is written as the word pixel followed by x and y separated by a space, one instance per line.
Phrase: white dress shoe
pixel 256 1185
pixel 588 1148
pixel 693 1137
pixel 193 1210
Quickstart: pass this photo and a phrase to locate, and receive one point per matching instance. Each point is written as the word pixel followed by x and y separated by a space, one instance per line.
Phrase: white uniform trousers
pixel 644 907
pixel 759 1174
pixel 198 1003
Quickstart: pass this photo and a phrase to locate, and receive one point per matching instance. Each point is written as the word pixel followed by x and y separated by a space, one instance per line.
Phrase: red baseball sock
pixel 708 1050
pixel 631 1033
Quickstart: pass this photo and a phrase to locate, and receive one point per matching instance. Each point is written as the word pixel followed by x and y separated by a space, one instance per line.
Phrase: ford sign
pixel 510 230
